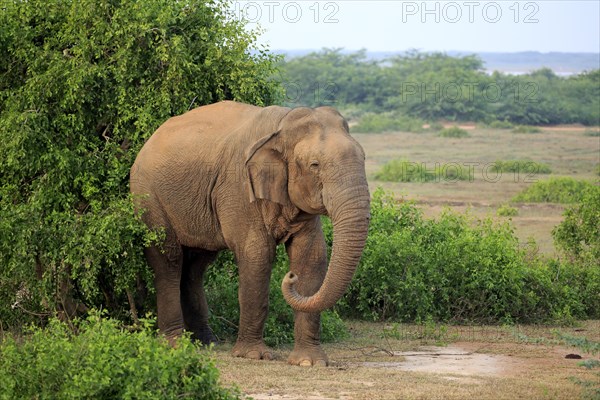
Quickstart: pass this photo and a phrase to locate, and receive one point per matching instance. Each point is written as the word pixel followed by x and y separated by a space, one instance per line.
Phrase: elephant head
pixel 312 162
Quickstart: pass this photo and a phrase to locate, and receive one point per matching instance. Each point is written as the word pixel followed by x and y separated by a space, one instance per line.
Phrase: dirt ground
pixel 379 362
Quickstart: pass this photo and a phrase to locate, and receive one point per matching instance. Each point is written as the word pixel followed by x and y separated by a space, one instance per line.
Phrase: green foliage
pixel 404 171
pixel 582 343
pixel 589 364
pixel 83 83
pixel 554 190
pixel 526 129
pixel 408 171
pixel 520 166
pixel 506 210
pixel 504 124
pixel 578 235
pixel 454 132
pixel 222 294
pixel 377 123
pixel 329 77
pixel 460 269
pixel 101 360
pixel 434 86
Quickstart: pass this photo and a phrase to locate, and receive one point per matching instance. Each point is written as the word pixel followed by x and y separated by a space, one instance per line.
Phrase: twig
pixel 192 103
pixel 134 313
pixel 20 307
pixel 226 320
pixel 104 133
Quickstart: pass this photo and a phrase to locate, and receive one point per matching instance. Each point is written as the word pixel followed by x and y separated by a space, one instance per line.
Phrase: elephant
pixel 236 176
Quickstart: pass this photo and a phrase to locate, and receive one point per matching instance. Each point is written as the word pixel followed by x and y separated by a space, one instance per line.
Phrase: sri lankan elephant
pixel 235 176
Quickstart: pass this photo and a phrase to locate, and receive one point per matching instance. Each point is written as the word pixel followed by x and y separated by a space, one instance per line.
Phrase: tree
pixel 83 83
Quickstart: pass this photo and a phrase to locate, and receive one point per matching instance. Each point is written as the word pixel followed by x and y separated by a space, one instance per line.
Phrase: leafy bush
pixel 497 124
pixel 459 269
pixel 526 129
pixel 83 83
pixel 101 361
pixel 408 171
pixel 377 123
pixel 454 132
pixel 578 234
pixel 506 210
pixel 554 190
pixel 521 166
pixel 222 294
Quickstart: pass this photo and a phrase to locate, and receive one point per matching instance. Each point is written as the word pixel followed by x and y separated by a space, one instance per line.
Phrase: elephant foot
pixel 173 337
pixel 205 337
pixel 254 351
pixel 308 357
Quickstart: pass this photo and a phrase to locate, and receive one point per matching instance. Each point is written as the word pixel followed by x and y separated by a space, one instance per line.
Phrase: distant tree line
pixel 435 86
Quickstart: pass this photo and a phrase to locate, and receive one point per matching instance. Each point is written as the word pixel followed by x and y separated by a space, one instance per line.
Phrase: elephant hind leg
pixel 193 297
pixel 167 263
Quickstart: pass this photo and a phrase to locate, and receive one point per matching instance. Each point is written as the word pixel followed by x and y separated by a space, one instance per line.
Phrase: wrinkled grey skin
pixel 245 178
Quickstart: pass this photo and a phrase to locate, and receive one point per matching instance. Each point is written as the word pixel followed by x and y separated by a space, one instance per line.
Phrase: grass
pixel 407 171
pixel 507 211
pixel 521 166
pixel 564 149
pixel 454 132
pixel 526 129
pixel 387 122
pixel 501 124
pixel 364 366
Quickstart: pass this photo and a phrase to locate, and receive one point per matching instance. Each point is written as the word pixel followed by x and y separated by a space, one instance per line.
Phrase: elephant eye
pixel 314 165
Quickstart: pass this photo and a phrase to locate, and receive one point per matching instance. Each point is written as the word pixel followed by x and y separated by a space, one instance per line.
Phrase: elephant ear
pixel 266 171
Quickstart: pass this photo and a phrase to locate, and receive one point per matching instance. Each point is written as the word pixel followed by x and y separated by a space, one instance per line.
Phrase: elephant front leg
pixel 308 259
pixel 254 276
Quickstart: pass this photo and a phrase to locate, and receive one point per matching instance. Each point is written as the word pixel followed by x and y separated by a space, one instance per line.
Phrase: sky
pixel 394 25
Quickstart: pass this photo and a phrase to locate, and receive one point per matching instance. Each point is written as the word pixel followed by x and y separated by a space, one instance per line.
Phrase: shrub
pixel 83 83
pixel 506 210
pixel 101 361
pixel 526 129
pixel 521 166
pixel 404 171
pixel 554 190
pixel 377 123
pixel 504 124
pixel 578 235
pixel 459 269
pixel 454 132
pixel 408 171
pixel 222 294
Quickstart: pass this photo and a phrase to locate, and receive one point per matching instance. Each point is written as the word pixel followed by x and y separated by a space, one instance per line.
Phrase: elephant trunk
pixel 350 214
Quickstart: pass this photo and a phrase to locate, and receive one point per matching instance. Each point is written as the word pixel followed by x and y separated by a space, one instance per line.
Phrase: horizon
pixel 546 26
